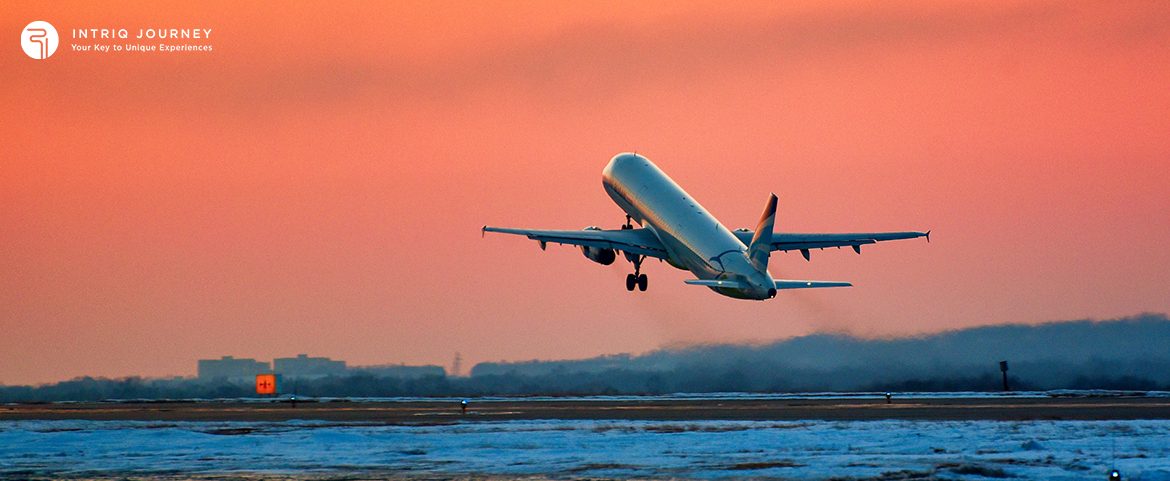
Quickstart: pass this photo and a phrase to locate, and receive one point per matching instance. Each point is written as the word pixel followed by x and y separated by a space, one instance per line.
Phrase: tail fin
pixel 760 248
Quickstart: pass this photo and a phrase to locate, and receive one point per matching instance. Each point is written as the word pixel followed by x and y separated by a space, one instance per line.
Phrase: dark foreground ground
pixel 990 408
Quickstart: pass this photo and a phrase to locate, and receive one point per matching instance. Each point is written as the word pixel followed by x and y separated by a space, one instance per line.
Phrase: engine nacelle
pixel 599 255
pixel 604 257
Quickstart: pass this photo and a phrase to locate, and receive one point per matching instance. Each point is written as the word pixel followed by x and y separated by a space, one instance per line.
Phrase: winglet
pixel 928 237
pixel 483 231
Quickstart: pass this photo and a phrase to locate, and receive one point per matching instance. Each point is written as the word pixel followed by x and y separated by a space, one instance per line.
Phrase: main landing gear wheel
pixel 637 279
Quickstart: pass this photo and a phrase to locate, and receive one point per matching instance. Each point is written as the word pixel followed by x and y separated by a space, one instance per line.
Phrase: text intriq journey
pixel 147 33
pixel 141 40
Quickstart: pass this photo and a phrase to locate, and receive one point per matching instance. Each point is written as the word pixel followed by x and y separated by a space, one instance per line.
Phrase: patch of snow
pixel 1034 450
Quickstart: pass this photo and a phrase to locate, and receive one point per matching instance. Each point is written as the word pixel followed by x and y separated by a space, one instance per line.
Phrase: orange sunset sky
pixel 317 182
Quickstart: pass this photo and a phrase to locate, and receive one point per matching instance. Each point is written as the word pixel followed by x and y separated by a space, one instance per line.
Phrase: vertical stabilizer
pixel 761 246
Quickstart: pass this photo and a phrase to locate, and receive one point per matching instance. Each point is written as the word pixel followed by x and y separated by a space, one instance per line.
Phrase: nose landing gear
pixel 629 223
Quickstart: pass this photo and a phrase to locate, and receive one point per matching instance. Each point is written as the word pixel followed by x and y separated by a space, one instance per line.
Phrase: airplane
pixel 673 227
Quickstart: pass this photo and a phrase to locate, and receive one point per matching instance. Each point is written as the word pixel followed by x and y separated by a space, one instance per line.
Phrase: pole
pixel 1003 368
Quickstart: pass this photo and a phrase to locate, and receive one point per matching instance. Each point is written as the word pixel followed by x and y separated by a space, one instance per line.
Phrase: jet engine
pixel 599 255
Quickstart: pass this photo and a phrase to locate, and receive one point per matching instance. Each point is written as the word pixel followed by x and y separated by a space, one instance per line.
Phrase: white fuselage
pixel 695 240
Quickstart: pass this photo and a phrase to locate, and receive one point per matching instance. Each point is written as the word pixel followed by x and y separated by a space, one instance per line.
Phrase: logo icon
pixel 39 40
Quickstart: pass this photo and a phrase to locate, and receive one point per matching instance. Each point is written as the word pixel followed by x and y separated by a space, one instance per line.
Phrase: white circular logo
pixel 39 40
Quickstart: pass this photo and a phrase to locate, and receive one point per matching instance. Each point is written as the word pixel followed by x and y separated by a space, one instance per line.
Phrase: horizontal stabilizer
pixel 794 284
pixel 780 283
pixel 716 283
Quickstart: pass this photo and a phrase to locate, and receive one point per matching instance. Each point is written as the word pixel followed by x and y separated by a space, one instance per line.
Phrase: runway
pixel 991 408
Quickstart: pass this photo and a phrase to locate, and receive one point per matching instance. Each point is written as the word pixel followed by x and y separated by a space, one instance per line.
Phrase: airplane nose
pixel 624 158
pixel 771 293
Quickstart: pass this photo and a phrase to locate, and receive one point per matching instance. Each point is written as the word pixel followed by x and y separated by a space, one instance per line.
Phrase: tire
pixel 642 281
pixel 630 281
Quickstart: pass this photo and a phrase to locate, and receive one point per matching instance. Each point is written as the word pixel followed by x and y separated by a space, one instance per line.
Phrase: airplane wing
pixel 639 241
pixel 805 242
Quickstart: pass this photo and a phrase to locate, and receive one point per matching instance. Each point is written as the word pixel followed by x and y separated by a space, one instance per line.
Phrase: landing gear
pixel 628 225
pixel 637 279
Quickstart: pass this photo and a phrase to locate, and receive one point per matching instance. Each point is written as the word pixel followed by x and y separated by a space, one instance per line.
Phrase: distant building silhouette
pixel 231 369
pixel 244 371
pixel 304 366
pixel 401 371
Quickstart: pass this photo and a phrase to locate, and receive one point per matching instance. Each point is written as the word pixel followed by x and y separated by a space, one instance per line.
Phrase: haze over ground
pixel 1126 355
pixel 316 184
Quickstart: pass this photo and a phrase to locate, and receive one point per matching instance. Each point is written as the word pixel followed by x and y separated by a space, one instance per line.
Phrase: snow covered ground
pixel 1033 450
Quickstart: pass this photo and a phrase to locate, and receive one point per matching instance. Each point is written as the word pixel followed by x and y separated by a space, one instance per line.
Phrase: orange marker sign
pixel 266 384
